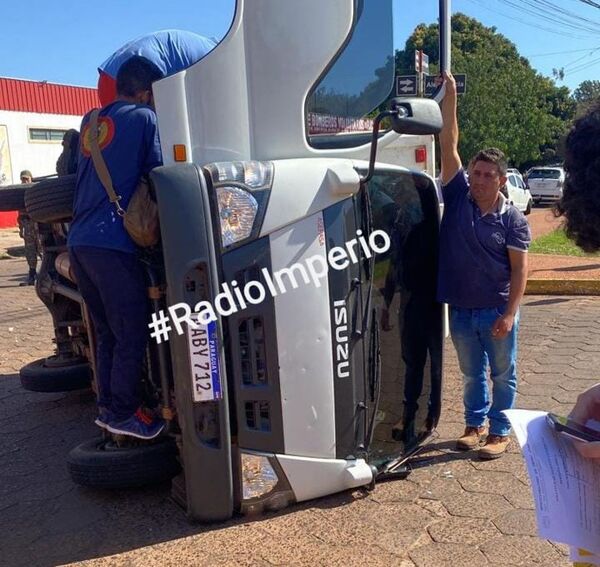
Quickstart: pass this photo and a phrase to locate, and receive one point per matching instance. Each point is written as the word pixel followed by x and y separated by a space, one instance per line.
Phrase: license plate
pixel 204 362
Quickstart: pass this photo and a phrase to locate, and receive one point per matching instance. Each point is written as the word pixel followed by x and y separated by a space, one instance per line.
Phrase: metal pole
pixel 445 33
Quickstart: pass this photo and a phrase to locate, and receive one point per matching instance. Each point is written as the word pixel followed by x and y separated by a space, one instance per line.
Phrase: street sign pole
pixel 445 33
pixel 421 69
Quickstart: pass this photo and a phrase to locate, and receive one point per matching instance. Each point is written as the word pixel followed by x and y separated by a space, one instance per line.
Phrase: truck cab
pixel 298 272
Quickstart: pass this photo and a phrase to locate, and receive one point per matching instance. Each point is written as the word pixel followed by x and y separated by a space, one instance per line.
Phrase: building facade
pixel 33 118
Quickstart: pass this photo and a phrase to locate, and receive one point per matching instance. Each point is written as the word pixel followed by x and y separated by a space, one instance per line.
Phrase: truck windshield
pixel 359 80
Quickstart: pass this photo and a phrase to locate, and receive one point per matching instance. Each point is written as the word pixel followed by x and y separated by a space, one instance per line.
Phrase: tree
pixel 587 91
pixel 507 104
pixel 586 95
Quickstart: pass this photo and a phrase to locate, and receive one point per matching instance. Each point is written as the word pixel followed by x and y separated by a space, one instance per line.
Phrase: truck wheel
pixel 101 464
pixel 529 206
pixel 51 200
pixel 12 198
pixel 42 376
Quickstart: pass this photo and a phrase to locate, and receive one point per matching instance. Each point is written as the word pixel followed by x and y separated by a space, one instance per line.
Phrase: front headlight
pixel 242 192
pixel 237 211
pixel 258 476
pixel 251 174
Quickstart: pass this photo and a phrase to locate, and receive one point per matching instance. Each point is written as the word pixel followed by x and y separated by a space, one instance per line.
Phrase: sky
pixel 64 41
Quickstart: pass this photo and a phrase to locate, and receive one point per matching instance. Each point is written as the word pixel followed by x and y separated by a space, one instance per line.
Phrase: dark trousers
pixel 421 334
pixel 113 286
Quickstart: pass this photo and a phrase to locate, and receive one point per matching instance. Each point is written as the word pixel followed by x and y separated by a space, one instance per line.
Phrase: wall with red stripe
pixel 46 98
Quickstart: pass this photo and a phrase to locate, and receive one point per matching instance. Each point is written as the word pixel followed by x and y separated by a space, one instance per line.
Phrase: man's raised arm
pixel 449 135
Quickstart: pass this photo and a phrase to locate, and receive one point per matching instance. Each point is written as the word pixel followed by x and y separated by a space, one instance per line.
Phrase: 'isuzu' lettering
pixel 342 350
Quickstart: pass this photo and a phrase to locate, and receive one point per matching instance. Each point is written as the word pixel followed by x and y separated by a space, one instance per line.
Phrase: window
pixel 46 134
pixel 405 206
pixel 360 79
pixel 545 174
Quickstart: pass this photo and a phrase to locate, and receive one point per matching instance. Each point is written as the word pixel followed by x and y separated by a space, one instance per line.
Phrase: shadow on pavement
pixel 553 301
pixel 46 520
pixel 582 268
pixel 436 453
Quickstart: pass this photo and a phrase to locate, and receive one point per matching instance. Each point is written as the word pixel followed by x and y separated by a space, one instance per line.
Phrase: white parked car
pixel 518 194
pixel 546 183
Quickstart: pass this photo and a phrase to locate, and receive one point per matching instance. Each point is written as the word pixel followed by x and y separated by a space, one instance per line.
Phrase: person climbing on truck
pixel 103 255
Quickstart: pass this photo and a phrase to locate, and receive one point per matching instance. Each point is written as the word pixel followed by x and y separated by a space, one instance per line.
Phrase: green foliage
pixel 586 95
pixel 507 104
pixel 556 242
pixel 588 91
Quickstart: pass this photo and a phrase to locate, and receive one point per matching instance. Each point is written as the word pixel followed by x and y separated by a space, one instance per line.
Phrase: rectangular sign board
pixel 406 85
pixel 431 83
pixel 421 62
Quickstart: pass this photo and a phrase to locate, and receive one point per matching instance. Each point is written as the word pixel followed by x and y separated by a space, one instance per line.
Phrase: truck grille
pixel 252 352
pixel 258 415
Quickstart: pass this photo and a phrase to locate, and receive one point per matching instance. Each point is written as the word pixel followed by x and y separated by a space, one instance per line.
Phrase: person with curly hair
pixel 580 205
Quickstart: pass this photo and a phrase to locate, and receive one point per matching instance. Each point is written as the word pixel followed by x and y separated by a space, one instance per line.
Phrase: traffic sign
pixel 421 61
pixel 406 85
pixel 431 84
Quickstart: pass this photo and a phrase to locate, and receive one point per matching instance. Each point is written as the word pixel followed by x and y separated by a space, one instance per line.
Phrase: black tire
pixel 101 464
pixel 42 376
pixel 529 207
pixel 12 198
pixel 51 200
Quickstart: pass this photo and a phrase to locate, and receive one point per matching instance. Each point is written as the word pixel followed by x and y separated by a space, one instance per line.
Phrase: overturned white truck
pixel 313 385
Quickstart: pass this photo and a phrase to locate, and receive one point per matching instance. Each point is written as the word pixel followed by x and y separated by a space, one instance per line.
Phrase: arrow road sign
pixel 406 85
pixel 430 84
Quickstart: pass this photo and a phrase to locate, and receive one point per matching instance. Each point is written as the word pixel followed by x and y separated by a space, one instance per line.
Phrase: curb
pixel 562 287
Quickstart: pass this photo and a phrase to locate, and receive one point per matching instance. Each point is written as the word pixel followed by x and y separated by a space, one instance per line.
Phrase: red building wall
pixel 42 97
pixel 46 98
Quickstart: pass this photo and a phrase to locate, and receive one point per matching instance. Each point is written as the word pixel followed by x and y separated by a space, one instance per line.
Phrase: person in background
pixel 580 205
pixel 28 233
pixel 170 50
pixel 103 255
pixel 67 161
pixel 482 277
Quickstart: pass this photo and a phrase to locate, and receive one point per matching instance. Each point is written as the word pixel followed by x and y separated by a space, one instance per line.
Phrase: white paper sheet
pixel 566 487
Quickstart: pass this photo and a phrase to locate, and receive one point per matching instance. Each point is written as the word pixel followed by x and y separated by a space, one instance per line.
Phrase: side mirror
pixel 416 116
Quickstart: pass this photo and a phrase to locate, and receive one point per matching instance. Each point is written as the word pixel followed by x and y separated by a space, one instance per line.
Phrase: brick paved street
pixel 453 509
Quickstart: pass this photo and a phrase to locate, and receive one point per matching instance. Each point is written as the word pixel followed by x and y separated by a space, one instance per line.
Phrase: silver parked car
pixel 546 183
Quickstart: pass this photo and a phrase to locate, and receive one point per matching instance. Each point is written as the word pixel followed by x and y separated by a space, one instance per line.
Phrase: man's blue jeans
pixel 471 331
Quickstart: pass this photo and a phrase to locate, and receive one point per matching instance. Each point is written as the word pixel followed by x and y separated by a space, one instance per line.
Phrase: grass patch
pixel 556 242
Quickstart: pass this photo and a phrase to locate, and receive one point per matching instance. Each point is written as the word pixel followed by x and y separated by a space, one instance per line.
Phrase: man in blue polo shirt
pixel 108 272
pixel 482 276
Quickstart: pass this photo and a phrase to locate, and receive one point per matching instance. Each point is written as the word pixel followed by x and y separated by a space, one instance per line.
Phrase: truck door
pixel 410 320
